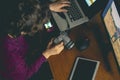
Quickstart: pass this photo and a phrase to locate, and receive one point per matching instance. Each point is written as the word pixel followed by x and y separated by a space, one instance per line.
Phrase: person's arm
pixel 16 67
pixel 58 6
pixel 12 60
pixel 45 55
pixel 54 50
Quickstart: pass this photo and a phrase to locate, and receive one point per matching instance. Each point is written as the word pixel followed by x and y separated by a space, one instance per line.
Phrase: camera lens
pixel 69 45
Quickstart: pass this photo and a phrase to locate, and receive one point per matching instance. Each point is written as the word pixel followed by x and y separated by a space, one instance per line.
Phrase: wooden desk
pixel 61 65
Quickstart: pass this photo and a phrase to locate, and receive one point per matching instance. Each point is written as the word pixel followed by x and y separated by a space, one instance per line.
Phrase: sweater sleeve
pixel 35 66
pixel 17 69
pixel 14 66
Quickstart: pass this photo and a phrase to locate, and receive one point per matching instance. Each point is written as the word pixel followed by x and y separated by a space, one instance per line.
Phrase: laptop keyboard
pixel 74 12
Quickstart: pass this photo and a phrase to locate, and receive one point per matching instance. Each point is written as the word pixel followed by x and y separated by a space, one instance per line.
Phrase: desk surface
pixel 62 64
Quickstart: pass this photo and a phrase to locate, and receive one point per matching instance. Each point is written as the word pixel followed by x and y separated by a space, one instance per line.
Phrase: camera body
pixel 68 43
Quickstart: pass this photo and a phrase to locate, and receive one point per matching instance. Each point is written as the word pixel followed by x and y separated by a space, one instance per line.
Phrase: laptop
pixel 79 12
pixel 111 20
pixel 84 69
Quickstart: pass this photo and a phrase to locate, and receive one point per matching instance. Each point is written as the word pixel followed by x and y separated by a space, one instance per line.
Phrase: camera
pixel 68 43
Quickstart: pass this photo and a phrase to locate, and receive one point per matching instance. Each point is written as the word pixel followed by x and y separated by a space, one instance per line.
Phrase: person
pixel 22 19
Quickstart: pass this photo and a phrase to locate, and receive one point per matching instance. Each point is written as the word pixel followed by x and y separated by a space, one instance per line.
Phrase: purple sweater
pixel 12 59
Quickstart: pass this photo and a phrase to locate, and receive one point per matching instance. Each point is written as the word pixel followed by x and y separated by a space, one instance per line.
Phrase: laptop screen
pixel 90 2
pixel 111 20
pixel 92 7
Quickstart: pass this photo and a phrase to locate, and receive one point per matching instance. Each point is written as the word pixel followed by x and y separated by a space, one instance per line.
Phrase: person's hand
pixel 58 6
pixel 54 50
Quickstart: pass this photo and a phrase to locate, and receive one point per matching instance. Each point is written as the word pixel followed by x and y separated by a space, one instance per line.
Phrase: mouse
pixel 82 43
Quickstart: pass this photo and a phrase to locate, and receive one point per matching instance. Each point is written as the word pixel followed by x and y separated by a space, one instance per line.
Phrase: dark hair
pixel 25 15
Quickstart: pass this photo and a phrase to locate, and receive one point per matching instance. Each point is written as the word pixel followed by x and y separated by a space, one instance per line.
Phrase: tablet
pixel 84 69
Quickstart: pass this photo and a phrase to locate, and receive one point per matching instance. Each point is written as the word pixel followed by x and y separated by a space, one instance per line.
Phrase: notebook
pixel 84 69
pixel 79 12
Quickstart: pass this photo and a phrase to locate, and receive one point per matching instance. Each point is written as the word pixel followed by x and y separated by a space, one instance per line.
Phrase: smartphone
pixel 49 26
